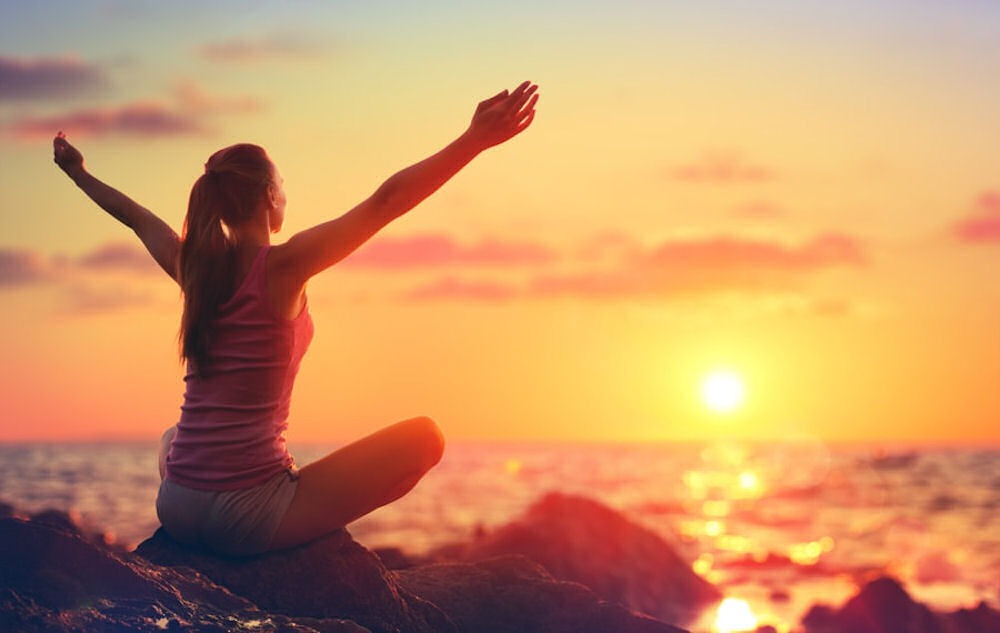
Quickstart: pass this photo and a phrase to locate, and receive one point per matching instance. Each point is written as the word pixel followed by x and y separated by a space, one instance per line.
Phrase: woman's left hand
pixel 503 116
pixel 69 158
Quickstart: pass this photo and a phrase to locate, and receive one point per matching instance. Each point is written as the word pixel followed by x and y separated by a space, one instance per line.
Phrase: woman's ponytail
pixel 227 194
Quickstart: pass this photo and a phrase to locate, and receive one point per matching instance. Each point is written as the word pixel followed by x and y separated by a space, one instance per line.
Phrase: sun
pixel 722 391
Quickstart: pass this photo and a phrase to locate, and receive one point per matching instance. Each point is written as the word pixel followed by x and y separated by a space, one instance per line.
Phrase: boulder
pixel 332 577
pixel 580 540
pixel 982 619
pixel 884 606
pixel 53 579
pixel 513 594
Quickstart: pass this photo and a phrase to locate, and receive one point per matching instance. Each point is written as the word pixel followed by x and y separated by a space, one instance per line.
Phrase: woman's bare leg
pixel 358 478
pixel 165 439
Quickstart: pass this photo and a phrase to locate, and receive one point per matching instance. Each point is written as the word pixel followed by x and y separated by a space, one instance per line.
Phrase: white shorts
pixel 230 522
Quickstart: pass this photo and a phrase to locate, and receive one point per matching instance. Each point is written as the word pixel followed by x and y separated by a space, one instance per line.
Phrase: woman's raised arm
pixel 495 121
pixel 160 240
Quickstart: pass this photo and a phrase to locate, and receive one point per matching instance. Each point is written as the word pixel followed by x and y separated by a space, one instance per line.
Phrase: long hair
pixel 229 193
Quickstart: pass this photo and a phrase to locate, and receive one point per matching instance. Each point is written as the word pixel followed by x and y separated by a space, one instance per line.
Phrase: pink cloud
pixel 147 118
pixel 684 267
pixel 78 280
pixel 188 113
pixel 47 77
pixel 442 250
pixel 121 257
pixel 622 269
pixel 721 169
pixel 23 267
pixel 279 46
pixel 984 224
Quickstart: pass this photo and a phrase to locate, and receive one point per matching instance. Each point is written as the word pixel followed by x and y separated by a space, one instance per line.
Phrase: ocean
pixel 780 526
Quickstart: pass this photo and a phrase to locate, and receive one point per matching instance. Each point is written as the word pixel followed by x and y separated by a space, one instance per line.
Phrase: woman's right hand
pixel 69 158
pixel 503 116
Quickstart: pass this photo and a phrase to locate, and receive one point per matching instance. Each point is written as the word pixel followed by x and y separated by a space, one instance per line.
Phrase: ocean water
pixel 781 526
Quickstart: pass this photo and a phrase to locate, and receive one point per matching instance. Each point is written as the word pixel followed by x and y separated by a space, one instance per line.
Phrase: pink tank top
pixel 231 431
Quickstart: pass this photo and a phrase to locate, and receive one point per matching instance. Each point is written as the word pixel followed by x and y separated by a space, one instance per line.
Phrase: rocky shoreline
pixel 569 564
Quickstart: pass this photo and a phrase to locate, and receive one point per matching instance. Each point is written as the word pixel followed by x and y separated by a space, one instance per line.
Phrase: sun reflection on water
pixel 735 616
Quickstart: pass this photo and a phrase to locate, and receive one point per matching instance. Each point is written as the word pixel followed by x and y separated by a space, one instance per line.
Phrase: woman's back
pixel 230 434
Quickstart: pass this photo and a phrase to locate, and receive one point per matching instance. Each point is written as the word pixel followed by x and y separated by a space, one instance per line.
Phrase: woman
pixel 228 481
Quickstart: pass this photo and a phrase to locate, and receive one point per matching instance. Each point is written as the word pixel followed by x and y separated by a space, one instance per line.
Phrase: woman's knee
pixel 429 439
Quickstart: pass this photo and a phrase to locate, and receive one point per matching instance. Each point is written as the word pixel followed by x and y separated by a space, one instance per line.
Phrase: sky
pixel 803 193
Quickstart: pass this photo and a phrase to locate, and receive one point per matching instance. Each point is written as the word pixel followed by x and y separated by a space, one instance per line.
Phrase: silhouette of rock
pixel 580 540
pixel 393 557
pixel 981 619
pixel 55 579
pixel 52 579
pixel 512 593
pixel 332 577
pixel 884 606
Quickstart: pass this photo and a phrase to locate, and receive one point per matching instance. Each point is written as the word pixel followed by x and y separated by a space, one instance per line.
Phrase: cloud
pixel 264 48
pixel 24 79
pixel 721 169
pixel 983 226
pixel 615 267
pixel 119 257
pixel 23 267
pixel 145 119
pixel 20 267
pixel 80 282
pixel 437 249
pixel 714 264
pixel 188 113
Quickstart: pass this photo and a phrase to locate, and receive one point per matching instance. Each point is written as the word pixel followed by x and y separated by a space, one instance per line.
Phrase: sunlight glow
pixel 703 564
pixel 749 480
pixel 722 391
pixel 734 615
pixel 807 554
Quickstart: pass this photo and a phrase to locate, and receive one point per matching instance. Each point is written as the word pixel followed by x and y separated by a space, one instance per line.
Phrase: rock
pixel 515 595
pixel 72 522
pixel 580 540
pixel 982 619
pixel 333 577
pixel 393 558
pixel 884 606
pixel 53 579
pixel 58 519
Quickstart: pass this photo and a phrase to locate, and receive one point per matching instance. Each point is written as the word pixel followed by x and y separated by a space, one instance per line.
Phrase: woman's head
pixel 244 183
pixel 240 188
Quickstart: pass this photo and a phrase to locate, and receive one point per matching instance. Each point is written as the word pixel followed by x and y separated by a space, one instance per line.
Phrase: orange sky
pixel 806 194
